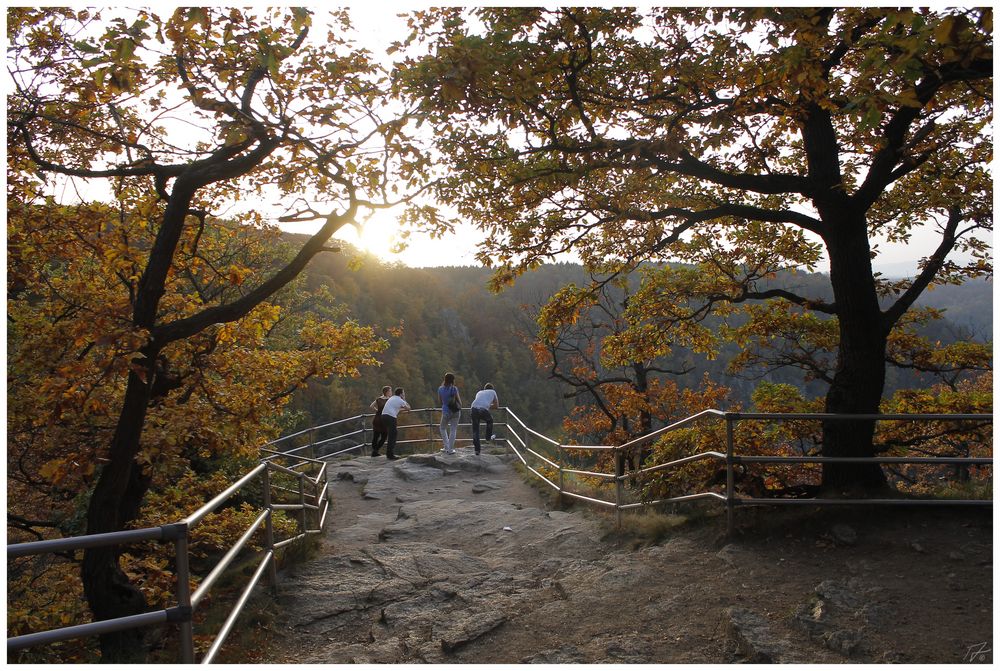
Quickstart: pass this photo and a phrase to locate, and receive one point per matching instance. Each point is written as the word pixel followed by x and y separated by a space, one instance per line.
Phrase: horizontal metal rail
pixel 226 560
pixel 972 461
pixel 516 453
pixel 543 477
pixel 314 428
pixel 588 498
pixel 674 463
pixel 338 437
pixel 92 629
pixel 283 469
pixel 675 499
pixel 530 430
pixel 861 502
pixel 294 506
pixel 322 472
pixel 90 541
pixel 519 439
pixel 180 530
pixel 220 638
pixel 673 427
pixel 275 454
pixel 346 450
pixel 542 457
pixel 729 498
pixel 828 417
pixel 209 507
pixel 610 476
pixel 289 541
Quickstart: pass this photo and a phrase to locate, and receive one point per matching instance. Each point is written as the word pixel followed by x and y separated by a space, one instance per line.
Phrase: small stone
pixel 956 556
pixel 918 547
pixel 844 535
pixel 843 641
pixel 507 529
pixel 752 637
pixel 728 554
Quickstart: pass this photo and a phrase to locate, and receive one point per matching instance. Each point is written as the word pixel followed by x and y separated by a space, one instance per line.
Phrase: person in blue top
pixel 451 411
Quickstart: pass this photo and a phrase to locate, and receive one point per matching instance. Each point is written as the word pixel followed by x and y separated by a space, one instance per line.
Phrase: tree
pixel 617 398
pixel 742 141
pixel 180 118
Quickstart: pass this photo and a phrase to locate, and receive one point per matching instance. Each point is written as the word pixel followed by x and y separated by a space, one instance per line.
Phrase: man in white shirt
pixel 390 413
pixel 485 400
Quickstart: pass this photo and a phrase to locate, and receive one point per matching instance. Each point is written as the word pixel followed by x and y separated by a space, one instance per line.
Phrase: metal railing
pixel 309 486
pixel 730 459
pixel 310 449
pixel 300 449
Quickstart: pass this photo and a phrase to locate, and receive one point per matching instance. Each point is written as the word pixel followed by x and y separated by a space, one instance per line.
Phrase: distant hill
pixel 452 323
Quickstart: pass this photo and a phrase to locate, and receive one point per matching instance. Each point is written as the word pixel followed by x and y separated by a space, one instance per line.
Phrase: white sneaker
pixel 493 437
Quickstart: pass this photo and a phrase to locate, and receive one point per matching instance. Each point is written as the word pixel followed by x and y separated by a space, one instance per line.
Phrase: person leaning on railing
pixel 390 412
pixel 379 432
pixel 485 400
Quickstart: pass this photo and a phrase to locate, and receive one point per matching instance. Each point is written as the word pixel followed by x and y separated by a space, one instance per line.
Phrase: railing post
pixel 561 459
pixel 312 442
pixel 184 596
pixel 619 485
pixel 730 477
pixel 364 434
pixel 269 533
pixel 430 429
pixel 302 501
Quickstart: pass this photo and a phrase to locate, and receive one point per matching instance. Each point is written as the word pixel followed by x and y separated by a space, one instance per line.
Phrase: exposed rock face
pixel 389 588
pixel 455 559
pixel 841 614
pixel 753 638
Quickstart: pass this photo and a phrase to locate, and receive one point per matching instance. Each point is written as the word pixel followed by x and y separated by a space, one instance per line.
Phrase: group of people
pixel 387 409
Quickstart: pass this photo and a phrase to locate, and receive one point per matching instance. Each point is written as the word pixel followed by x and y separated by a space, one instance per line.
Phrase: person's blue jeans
pixel 481 415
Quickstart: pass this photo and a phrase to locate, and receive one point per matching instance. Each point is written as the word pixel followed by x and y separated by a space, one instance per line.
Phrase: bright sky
pixel 378 26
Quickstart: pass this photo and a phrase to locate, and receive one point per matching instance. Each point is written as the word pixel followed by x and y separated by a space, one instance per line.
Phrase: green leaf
pixel 87 47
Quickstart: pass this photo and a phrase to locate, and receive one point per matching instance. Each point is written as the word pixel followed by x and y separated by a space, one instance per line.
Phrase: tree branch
pixel 893 314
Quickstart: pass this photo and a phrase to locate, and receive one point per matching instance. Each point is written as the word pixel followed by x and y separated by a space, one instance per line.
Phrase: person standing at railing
pixel 451 411
pixel 390 413
pixel 379 432
pixel 486 399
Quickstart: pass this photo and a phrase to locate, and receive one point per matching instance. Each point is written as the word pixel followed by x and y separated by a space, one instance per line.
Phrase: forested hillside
pixel 445 319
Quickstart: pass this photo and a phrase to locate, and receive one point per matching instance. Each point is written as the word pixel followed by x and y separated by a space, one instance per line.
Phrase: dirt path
pixel 457 560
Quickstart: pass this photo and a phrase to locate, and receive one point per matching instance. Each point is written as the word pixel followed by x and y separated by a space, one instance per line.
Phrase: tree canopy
pixel 138 146
pixel 742 141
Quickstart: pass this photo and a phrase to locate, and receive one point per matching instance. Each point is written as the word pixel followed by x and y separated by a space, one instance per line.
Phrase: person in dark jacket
pixel 379 431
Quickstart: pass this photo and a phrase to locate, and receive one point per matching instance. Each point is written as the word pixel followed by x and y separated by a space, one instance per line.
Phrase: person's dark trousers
pixel 481 415
pixel 390 429
pixel 379 436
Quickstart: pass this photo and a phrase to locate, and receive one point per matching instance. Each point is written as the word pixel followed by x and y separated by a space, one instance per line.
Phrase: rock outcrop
pixel 455 559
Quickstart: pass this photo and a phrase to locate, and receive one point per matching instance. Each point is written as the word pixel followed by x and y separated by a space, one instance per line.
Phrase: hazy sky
pixel 378 26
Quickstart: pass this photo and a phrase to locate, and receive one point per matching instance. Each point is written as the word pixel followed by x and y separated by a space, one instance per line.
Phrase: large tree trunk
pixel 115 501
pixel 860 376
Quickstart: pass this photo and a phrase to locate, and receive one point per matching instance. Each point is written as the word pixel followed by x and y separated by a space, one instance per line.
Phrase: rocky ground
pixel 455 559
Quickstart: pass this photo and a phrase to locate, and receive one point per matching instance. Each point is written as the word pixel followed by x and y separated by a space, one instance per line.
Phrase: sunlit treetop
pixel 125 94
pixel 616 131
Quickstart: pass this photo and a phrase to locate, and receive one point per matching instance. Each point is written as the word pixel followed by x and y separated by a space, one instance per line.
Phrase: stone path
pixel 455 559
pixel 426 555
